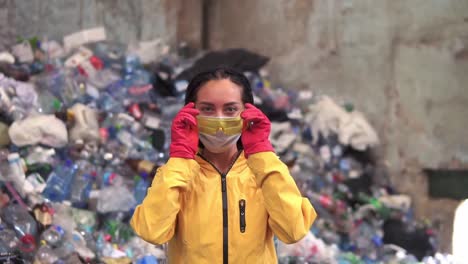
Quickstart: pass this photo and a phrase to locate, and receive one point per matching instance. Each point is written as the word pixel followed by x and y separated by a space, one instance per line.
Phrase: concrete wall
pixel 124 21
pixel 403 63
pixel 7 20
pixel 400 62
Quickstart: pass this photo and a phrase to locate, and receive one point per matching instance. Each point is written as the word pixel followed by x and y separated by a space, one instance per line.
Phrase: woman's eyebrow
pixel 206 103
pixel 232 103
pixel 211 104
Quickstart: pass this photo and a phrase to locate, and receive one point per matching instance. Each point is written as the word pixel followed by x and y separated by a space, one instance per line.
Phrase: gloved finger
pixel 189 105
pixel 188 120
pixel 247 112
pixel 190 108
pixel 184 120
pixel 190 111
pixel 250 122
pixel 250 106
pixel 191 121
pixel 248 109
pixel 252 114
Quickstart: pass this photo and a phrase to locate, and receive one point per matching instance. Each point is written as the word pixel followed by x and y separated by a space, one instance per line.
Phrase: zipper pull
pixel 223 183
pixel 242 206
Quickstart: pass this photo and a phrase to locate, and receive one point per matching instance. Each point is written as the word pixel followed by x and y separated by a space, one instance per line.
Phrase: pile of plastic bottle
pixel 361 217
pixel 83 127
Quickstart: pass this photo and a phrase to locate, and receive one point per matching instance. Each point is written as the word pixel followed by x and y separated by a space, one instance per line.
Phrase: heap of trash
pixel 85 123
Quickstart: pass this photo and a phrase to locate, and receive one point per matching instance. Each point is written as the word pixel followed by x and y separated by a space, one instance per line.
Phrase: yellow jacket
pixel 212 218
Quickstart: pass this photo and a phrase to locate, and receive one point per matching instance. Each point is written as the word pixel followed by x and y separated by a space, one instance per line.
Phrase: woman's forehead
pixel 226 103
pixel 220 90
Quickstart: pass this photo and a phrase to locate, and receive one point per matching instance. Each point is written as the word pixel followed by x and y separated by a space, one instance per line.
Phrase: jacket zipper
pixel 225 218
pixel 242 206
pixel 225 205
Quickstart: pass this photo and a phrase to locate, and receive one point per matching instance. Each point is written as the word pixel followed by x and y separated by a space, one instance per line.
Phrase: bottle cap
pixel 144 175
pixel 68 162
pixel 28 243
pixel 59 229
pixel 56 104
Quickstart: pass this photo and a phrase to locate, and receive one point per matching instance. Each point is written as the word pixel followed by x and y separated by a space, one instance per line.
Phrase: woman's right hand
pixel 184 133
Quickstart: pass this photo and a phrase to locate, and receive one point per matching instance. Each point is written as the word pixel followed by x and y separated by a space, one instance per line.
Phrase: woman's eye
pixel 206 109
pixel 231 110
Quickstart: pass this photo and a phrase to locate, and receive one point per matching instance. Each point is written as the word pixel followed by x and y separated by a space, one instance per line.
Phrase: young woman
pixel 223 193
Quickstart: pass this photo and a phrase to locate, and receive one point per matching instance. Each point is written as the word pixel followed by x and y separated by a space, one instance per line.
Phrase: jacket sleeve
pixel 290 214
pixel 154 219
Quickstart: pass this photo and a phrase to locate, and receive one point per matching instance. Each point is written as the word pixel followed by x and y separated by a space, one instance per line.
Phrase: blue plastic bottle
pixel 141 187
pixel 59 182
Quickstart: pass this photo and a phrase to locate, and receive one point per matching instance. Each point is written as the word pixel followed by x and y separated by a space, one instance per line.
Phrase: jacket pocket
pixel 242 205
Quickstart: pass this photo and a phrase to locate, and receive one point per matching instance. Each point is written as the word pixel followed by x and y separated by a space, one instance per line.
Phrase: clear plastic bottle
pixel 40 155
pixel 8 241
pixel 81 188
pixel 109 202
pixel 53 235
pixel 9 105
pixel 24 225
pixel 111 53
pixel 118 91
pixel 8 246
pixel 51 80
pixel 62 83
pixel 136 80
pixel 79 243
pixel 17 175
pixel 108 103
pixel 131 65
pixel 47 102
pixel 368 240
pixel 103 78
pixel 64 250
pixel 4 166
pixel 88 237
pixel 46 255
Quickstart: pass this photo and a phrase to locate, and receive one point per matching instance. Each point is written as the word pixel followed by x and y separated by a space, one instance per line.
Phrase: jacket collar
pixel 240 164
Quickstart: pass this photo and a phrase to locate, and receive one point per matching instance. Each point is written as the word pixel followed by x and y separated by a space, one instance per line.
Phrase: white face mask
pixel 218 143
pixel 218 134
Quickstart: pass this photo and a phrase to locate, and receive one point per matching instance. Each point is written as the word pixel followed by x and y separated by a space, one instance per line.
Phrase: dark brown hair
pixel 218 74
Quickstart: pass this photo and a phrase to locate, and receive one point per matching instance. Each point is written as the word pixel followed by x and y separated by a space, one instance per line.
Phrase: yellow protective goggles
pixel 212 125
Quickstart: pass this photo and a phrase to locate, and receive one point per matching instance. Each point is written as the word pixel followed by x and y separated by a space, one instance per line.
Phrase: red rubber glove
pixel 184 133
pixel 255 132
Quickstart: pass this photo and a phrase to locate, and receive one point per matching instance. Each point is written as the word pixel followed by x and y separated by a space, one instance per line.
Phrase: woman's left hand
pixel 255 132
